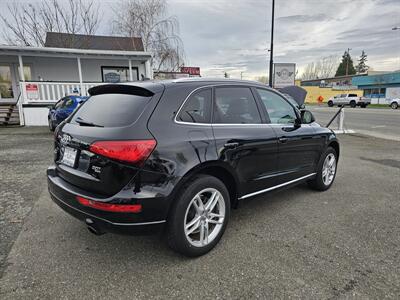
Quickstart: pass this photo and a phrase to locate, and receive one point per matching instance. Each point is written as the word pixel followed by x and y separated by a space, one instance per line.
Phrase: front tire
pixel 330 103
pixel 199 216
pixel 326 171
pixel 394 105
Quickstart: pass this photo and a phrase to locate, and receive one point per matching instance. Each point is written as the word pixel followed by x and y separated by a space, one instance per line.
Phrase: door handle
pixel 231 145
pixel 283 140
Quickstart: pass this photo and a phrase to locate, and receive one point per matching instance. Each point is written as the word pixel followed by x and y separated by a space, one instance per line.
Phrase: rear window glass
pixel 111 110
pixel 197 108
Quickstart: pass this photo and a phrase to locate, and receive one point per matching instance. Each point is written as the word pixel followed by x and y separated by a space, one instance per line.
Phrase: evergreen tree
pixel 346 66
pixel 362 66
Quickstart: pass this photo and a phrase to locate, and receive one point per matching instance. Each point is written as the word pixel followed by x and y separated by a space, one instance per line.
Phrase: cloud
pixel 305 18
pixel 234 35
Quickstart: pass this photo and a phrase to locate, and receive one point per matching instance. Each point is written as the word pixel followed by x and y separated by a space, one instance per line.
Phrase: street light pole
pixel 271 50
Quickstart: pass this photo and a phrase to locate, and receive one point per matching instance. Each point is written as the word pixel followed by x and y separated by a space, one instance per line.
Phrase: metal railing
pixel 47 92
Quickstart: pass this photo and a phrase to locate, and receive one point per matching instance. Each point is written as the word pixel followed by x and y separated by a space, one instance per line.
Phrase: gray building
pixel 31 78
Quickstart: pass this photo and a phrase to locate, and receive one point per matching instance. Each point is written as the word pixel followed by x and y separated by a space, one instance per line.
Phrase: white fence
pixel 47 92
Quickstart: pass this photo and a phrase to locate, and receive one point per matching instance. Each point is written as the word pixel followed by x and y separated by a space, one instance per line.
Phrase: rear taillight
pixel 130 151
pixel 122 208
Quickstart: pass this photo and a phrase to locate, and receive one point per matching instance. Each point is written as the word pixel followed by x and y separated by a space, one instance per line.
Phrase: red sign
pixel 32 91
pixel 191 70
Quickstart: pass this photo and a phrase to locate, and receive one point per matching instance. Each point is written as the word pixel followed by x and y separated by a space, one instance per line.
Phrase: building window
pixel 118 74
pixel 375 93
pixel 5 82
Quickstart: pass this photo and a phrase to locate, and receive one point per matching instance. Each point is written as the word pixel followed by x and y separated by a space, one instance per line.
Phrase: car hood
pixel 297 93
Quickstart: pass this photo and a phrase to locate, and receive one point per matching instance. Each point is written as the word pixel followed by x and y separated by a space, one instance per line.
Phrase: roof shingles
pixel 94 42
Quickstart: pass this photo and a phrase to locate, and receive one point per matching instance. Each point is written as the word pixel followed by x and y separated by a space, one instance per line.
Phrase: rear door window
pixel 197 108
pixel 111 110
pixel 235 105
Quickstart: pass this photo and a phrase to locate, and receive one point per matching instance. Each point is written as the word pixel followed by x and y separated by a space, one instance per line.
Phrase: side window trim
pixel 235 124
pixel 261 107
pixel 188 97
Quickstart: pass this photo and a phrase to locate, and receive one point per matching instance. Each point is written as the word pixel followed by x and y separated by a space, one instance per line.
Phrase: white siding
pixel 393 92
pixel 36 116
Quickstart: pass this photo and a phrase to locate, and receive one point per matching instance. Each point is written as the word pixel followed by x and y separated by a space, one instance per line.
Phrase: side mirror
pixel 307 117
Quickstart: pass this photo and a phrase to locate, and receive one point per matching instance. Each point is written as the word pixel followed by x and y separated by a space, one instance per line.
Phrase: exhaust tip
pixel 94 230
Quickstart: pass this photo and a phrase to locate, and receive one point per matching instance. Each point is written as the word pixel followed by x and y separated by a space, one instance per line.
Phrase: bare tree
pixel 323 68
pixel 262 79
pixel 29 24
pixel 160 33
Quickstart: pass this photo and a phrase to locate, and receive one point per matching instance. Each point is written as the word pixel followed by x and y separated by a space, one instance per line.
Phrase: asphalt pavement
pixel 298 243
pixel 377 122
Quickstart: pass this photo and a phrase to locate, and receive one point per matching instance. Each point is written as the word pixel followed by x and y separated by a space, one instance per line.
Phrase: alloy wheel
pixel 329 169
pixel 204 217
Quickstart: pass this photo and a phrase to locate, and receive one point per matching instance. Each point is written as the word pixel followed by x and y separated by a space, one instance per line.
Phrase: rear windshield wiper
pixel 82 122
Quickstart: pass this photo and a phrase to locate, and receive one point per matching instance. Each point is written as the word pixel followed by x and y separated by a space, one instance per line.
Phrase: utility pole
pixel 241 75
pixel 347 61
pixel 271 50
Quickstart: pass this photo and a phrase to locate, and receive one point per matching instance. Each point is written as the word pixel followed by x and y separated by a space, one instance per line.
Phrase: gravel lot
pixel 343 243
pixel 24 157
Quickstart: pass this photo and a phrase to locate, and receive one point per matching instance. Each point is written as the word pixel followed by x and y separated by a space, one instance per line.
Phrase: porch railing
pixel 47 92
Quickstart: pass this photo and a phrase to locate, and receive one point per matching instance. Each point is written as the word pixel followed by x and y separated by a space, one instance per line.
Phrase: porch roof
pixel 68 52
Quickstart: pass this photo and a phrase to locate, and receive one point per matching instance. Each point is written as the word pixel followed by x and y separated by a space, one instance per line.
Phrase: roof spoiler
pixel 121 89
pixel 297 93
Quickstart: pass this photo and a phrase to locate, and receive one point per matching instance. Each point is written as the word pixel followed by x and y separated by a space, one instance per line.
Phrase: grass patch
pixel 378 106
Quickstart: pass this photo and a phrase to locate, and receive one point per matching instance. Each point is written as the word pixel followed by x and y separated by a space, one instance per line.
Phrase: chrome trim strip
pixel 276 186
pixel 183 103
pixel 222 124
pixel 104 220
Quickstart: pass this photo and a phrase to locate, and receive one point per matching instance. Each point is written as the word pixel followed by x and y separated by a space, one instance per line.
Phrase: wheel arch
pixel 335 145
pixel 216 169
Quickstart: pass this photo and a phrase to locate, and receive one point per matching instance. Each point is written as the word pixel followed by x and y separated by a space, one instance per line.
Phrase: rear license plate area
pixel 69 156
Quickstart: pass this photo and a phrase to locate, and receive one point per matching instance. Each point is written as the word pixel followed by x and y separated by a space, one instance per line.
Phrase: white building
pixel 32 78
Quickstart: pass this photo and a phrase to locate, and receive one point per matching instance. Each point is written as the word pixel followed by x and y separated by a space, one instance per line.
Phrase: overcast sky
pixel 233 35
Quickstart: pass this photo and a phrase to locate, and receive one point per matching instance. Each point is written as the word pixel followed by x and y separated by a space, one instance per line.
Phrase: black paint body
pixel 248 158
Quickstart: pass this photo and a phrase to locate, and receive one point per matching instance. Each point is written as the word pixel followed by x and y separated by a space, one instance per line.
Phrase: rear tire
pixel 353 104
pixel 326 173
pixel 197 221
pixel 330 103
pixel 394 105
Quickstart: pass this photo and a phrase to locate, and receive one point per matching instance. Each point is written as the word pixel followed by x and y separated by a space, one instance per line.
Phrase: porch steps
pixel 9 114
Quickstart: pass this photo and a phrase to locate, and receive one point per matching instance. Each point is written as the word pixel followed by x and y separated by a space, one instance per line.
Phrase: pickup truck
pixel 349 99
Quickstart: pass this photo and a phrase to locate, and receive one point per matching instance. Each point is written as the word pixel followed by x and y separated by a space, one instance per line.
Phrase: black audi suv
pixel 176 156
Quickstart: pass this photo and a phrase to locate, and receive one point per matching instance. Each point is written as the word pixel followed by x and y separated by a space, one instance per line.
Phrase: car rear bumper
pixel 100 221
